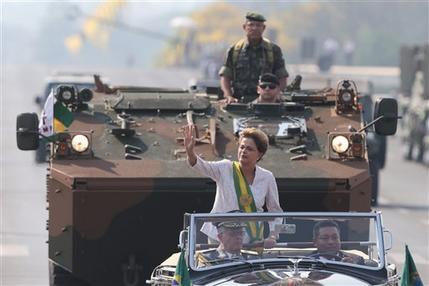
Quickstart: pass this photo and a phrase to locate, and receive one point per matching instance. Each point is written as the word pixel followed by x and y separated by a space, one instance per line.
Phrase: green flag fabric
pixel 181 276
pixel 410 276
pixel 246 202
pixel 63 117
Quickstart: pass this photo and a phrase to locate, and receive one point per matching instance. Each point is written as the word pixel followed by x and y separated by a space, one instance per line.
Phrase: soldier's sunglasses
pixel 270 86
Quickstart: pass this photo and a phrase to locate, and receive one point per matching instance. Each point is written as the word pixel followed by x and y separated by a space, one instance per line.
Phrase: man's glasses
pixel 270 86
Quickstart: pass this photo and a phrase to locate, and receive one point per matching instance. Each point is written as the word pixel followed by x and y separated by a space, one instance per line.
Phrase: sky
pixel 34 28
pixel 22 13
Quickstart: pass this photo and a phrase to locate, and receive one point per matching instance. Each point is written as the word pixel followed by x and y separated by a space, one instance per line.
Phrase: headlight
pixel 80 143
pixel 85 95
pixel 346 97
pixel 346 146
pixel 340 144
pixel 65 94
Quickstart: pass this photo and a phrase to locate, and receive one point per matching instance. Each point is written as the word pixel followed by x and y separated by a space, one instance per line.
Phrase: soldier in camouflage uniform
pixel 248 59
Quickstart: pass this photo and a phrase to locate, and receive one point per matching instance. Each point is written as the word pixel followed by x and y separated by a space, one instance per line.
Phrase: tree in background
pixel 376 29
pixel 217 26
pixel 214 26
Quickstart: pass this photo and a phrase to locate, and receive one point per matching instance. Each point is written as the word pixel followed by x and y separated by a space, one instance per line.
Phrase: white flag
pixel 46 124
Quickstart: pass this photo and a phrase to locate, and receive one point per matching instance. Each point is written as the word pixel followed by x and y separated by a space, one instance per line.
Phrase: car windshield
pixel 217 240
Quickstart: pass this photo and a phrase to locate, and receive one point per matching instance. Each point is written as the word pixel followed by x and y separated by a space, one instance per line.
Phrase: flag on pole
pixel 63 117
pixel 181 276
pixel 46 124
pixel 410 276
pixel 55 117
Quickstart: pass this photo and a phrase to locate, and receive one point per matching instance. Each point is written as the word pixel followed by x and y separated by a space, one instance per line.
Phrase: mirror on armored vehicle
pixel 388 108
pixel 27 136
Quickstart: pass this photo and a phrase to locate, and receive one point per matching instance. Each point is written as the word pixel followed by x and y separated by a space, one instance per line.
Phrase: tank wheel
pixel 58 276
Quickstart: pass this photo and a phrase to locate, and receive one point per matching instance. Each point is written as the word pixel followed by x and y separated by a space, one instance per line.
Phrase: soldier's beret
pixel 255 17
pixel 268 78
pixel 229 225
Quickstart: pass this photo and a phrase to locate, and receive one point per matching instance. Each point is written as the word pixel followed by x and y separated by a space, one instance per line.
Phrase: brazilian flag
pixel 181 276
pixel 63 117
pixel 410 276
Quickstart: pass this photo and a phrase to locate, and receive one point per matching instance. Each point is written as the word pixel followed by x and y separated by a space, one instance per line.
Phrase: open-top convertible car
pixel 330 248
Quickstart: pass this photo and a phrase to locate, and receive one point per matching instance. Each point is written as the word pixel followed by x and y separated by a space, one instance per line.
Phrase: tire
pixel 58 276
pixel 374 171
pixel 41 153
pixel 382 151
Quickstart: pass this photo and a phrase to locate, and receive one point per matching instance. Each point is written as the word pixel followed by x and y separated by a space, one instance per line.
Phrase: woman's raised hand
pixel 189 142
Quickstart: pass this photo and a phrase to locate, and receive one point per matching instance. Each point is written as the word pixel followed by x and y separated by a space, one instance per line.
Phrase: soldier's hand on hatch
pixel 230 99
pixel 189 138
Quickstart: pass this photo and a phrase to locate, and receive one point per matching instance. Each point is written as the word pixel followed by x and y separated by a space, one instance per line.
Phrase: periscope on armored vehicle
pixel 118 184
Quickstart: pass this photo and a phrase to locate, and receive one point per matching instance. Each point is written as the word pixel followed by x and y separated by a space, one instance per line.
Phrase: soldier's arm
pixel 225 85
pixel 226 75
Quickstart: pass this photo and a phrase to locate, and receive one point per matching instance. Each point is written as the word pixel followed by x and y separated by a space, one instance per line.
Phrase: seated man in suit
pixel 230 236
pixel 326 237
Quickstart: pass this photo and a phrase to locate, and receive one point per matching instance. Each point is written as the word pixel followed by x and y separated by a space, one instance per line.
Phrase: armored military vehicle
pixel 118 183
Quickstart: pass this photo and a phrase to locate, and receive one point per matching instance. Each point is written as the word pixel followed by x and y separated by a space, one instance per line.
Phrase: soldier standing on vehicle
pixel 248 59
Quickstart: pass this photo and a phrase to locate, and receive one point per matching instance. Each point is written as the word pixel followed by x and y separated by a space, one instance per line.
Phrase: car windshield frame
pixel 375 216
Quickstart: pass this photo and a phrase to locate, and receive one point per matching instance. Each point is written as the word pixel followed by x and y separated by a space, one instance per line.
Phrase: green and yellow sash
pixel 246 202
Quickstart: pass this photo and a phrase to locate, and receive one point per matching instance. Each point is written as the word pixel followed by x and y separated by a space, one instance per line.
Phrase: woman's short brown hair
pixel 260 138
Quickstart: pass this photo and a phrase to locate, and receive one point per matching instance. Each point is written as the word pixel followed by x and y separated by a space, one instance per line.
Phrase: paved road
pixel 23 252
pixel 404 201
